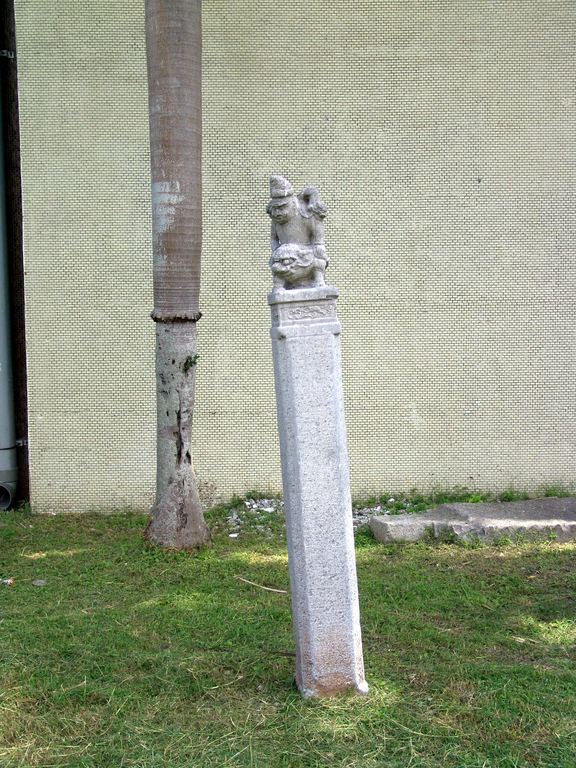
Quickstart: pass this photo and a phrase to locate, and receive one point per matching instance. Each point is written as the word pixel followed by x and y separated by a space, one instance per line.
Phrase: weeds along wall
pixel 442 135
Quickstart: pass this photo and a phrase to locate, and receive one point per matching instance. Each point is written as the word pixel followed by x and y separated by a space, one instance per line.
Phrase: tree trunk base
pixel 177 520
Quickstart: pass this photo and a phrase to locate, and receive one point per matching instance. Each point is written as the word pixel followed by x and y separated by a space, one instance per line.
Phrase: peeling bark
pixel 176 517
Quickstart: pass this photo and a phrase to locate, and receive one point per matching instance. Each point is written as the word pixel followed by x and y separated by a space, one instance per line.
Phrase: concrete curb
pixel 534 519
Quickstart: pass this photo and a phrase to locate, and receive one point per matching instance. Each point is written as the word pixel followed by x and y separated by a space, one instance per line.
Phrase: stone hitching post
pixel 315 476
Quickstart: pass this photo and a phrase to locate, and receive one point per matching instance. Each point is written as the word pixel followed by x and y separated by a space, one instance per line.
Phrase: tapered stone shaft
pixel 315 475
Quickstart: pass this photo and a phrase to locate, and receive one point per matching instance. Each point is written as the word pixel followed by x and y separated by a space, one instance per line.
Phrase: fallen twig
pixel 268 589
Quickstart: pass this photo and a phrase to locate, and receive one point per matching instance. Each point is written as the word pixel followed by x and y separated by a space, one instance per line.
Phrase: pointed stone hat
pixel 280 188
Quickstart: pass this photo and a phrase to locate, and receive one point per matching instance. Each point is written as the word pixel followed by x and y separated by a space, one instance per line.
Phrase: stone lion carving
pixel 299 258
pixel 296 266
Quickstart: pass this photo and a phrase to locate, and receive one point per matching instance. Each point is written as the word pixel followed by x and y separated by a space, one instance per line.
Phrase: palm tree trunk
pixel 174 51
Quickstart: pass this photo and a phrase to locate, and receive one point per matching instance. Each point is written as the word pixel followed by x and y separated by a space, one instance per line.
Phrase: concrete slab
pixel 534 519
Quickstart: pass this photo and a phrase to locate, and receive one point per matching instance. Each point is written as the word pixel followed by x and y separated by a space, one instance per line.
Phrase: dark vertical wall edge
pixel 9 84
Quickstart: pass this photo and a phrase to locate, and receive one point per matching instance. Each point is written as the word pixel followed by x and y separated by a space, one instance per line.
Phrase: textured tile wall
pixel 84 128
pixel 443 137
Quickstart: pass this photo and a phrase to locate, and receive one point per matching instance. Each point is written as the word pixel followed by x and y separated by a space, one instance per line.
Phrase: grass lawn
pixel 132 656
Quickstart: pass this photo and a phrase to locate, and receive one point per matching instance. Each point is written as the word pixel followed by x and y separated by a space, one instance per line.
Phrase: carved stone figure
pixel 305 337
pixel 299 258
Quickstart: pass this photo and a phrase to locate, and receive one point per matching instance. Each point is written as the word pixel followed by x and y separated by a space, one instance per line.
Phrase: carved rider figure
pixel 299 257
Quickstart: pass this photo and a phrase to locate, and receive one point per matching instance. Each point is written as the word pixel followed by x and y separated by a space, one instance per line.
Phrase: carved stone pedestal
pixel 306 345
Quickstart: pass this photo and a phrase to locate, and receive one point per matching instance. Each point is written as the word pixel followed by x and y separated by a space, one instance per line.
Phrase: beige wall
pixel 443 137
pixel 87 252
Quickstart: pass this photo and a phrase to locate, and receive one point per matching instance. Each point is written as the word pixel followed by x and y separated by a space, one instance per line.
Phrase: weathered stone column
pixel 315 475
